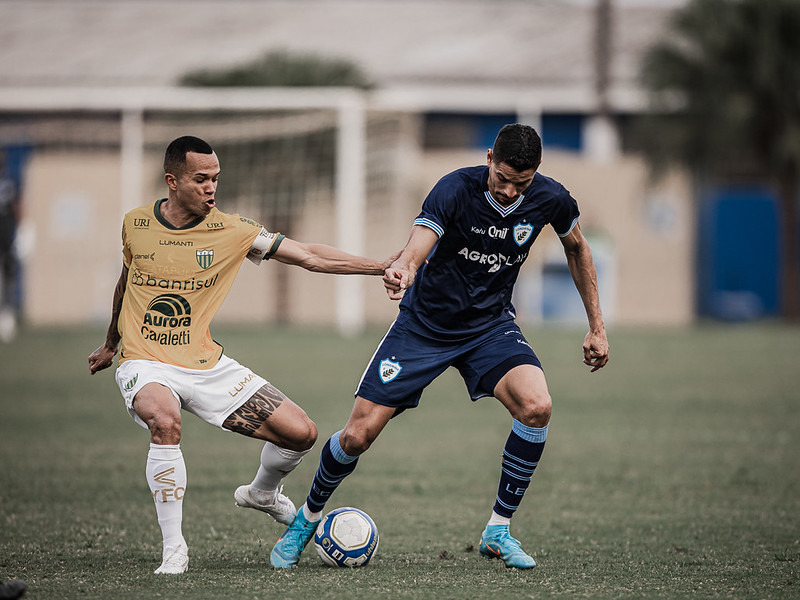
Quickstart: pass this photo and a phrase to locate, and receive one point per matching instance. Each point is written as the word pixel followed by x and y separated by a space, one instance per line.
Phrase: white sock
pixel 276 463
pixel 166 476
pixel 310 516
pixel 496 519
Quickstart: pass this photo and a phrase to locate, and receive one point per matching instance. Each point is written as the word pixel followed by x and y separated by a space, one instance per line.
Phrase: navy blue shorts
pixel 406 362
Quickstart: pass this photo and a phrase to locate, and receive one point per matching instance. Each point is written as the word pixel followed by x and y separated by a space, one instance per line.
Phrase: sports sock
pixel 521 454
pixel 334 466
pixel 276 463
pixel 166 476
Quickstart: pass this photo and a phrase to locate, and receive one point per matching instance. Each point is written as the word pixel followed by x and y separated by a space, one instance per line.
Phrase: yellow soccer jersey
pixel 178 279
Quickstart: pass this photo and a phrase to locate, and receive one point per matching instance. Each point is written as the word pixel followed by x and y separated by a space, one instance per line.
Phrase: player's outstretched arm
pixel 581 266
pixel 327 259
pixel 103 357
pixel 401 273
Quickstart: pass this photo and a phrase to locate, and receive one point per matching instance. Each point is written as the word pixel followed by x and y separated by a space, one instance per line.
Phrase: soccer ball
pixel 346 537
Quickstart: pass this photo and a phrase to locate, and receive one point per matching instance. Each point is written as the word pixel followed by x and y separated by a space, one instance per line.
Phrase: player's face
pixel 506 184
pixel 196 186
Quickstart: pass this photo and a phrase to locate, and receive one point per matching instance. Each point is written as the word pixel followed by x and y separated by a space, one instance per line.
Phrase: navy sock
pixel 334 466
pixel 521 454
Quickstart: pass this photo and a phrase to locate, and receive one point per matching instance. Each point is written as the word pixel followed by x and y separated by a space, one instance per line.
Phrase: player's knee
pixel 535 412
pixel 303 436
pixel 164 430
pixel 354 442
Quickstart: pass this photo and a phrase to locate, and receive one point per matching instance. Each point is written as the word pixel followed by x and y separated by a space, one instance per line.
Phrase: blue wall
pixel 739 254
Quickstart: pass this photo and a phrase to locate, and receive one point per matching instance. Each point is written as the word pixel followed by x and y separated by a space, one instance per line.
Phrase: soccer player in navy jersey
pixel 456 276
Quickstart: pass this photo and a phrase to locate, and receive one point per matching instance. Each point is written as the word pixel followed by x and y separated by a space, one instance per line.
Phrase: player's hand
pixel 595 349
pixel 390 261
pixel 100 359
pixel 396 281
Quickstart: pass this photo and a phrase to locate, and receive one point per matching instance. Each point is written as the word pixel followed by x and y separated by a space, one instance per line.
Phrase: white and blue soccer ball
pixel 346 537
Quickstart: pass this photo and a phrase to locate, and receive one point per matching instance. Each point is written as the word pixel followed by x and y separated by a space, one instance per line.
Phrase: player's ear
pixel 171 180
pixel 489 157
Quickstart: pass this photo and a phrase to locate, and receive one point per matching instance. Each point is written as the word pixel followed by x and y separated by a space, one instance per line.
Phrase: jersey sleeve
pixel 566 214
pixel 264 246
pixel 439 207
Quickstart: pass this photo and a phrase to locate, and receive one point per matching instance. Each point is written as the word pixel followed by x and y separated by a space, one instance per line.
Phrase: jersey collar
pixel 167 224
pixel 503 210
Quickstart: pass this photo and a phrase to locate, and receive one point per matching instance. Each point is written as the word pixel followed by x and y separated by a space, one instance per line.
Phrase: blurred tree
pixel 726 89
pixel 278 171
pixel 281 68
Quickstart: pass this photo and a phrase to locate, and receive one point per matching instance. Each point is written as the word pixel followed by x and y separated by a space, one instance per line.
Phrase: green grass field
pixel 672 473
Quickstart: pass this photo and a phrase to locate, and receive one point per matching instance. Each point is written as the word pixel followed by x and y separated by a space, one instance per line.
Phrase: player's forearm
pixel 112 335
pixel 327 259
pixel 582 269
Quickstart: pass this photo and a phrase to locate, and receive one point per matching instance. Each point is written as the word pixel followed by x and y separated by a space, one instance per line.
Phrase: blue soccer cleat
pixel 291 544
pixel 496 542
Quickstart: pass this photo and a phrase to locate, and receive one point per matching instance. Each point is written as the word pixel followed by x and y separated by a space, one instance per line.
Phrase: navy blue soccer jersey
pixel 466 285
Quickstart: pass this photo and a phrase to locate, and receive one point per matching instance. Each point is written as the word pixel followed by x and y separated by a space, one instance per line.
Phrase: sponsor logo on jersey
pixel 522 231
pixel 249 221
pixel 187 243
pixel 495 261
pixel 141 223
pixel 389 370
pixel 205 258
pixel 183 285
pixel 131 383
pixel 167 319
pixel 151 256
pixel 215 225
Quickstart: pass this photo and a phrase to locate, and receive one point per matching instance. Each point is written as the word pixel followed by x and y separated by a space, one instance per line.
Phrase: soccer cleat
pixel 281 508
pixel 175 560
pixel 496 542
pixel 291 544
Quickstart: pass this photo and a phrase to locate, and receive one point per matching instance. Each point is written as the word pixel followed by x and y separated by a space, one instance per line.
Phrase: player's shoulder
pixel 465 179
pixel 543 183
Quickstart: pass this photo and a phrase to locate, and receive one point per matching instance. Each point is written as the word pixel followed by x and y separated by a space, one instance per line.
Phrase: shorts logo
pixel 522 231
pixel 389 370
pixel 131 383
pixel 205 258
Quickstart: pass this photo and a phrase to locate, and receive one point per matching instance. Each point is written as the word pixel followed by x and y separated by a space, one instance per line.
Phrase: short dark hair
pixel 175 156
pixel 519 146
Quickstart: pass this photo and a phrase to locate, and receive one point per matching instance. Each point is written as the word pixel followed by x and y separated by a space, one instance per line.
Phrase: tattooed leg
pixel 247 419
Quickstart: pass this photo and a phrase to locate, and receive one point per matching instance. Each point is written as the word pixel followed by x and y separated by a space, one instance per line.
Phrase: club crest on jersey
pixel 205 258
pixel 389 370
pixel 522 231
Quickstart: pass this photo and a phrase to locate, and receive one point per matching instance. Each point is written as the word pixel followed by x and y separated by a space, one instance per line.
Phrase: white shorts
pixel 211 394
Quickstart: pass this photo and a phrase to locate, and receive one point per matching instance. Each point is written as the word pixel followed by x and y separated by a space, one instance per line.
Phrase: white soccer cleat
pixel 280 508
pixel 175 560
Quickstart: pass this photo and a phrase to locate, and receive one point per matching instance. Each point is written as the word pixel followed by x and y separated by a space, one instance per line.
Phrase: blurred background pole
pixel 602 138
pixel 131 158
pixel 351 162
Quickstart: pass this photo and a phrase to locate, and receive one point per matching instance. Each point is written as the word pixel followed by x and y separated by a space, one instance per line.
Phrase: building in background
pixel 90 89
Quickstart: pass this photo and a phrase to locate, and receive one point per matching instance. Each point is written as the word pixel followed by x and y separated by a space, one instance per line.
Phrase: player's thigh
pixel 156 405
pixel 270 415
pixel 523 391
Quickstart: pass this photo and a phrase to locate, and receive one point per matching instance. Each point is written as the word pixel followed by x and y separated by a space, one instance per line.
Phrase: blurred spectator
pixel 9 219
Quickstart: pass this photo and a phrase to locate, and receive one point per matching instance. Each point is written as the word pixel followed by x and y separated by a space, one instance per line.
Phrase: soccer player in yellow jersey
pixel 180 258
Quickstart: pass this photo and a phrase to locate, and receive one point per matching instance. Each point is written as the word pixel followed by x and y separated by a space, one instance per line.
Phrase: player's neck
pixel 174 214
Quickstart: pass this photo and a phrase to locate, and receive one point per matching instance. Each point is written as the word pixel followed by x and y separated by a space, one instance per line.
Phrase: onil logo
pixel 389 370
